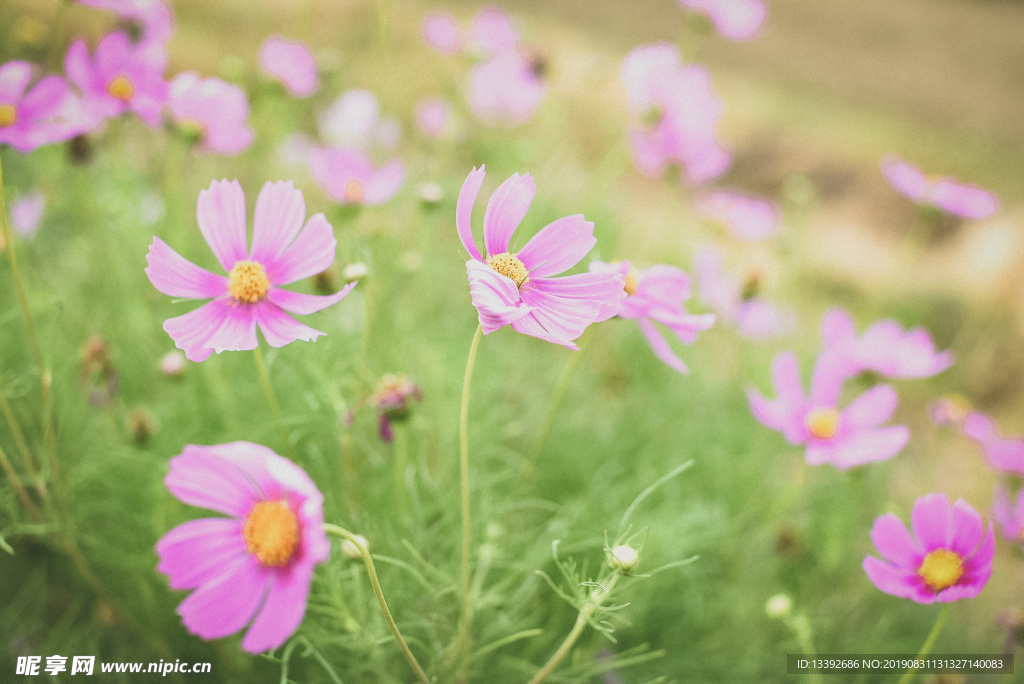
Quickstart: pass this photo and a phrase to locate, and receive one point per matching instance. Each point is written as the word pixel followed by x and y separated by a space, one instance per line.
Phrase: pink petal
pixel 238 332
pixel 826 381
pixel 905 177
pixel 660 346
pixel 279 328
pixel 776 415
pixel 312 252
pixel 562 318
pixel 226 605
pixel 505 211
pixel 967 201
pixel 78 67
pixel 14 78
pixel 864 447
pixel 201 476
pixel 604 287
pixel 176 276
pixel 280 212
pixel 968 529
pixel 897 581
pixel 495 297
pixel 198 551
pixel 191 331
pixel 932 520
pixel 837 329
pixel 112 54
pixel 558 246
pixel 464 210
pixel 532 326
pixel 283 609
pixel 872 408
pixel 221 216
pixel 894 542
pixel 384 183
pixel 786 380
pixel 304 304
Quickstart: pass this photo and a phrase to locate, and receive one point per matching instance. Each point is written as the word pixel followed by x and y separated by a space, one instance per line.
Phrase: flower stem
pixel 19 488
pixel 466 615
pixel 401 458
pixel 372 572
pixel 19 439
pixel 268 390
pixel 928 643
pixel 594 602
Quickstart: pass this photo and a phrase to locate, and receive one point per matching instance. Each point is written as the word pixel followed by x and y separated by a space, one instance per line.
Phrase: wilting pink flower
pixel 33 118
pixel 441 32
pixel 657 294
pixel 1002 453
pixel 948 558
pixel 27 212
pixel 844 438
pixel 254 567
pixel 393 398
pixel 283 251
pixel 966 201
pixel 516 288
pixel 754 316
pixel 290 63
pixel 349 177
pixel 492 31
pixel 505 89
pixel 734 19
pixel 433 115
pixel 884 348
pixel 1010 516
pixel 746 217
pixel 152 16
pixel 950 409
pixel 214 110
pixel 677 113
pixel 122 77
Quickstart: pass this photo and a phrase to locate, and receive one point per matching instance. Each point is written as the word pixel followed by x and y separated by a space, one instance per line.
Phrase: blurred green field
pixel 760 520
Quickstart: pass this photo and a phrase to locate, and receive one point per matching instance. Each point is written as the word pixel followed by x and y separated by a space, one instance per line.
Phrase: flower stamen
pixel 121 88
pixel 941 569
pixel 248 282
pixel 8 115
pixel 509 265
pixel 632 283
pixel 354 192
pixel 271 532
pixel 823 423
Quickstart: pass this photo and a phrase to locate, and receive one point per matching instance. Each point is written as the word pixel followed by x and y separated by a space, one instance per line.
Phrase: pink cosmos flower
pixel 677 113
pixel 948 558
pixel 291 63
pixel 753 315
pixel 349 177
pixel 734 19
pixel 153 16
pixel 215 110
pixel 433 115
pixel 747 218
pixel 516 288
pixel 254 567
pixel 283 251
pixel 30 119
pixel 492 31
pixel 354 120
pixel 884 348
pixel 657 294
pixel 505 89
pixel 441 32
pixel 844 438
pixel 1010 516
pixel 122 77
pixel 943 192
pixel 27 212
pixel 393 399
pixel 1002 453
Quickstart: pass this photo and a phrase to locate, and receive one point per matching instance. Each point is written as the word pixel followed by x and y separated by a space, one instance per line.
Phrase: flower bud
pixel 623 558
pixel 140 425
pixel 778 606
pixel 354 271
pixel 349 548
pixel 431 193
pixel 172 364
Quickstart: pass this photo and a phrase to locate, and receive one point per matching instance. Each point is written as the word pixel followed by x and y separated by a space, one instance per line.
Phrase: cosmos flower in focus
pixel 31 117
pixel 433 116
pixel 349 177
pixel 734 19
pixel 283 251
pixel 676 115
pixel 942 192
pixel 393 399
pixel 845 438
pixel 1005 454
pixel 516 288
pixel 122 77
pixel 657 294
pixel 505 89
pixel 291 64
pixel 214 111
pixel 254 567
pixel 746 217
pixel 884 348
pixel 1009 515
pixel 948 558
pixel 741 304
pixel 27 212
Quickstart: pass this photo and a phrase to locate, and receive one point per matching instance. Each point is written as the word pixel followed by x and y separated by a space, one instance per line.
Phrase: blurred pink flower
pixel 505 89
pixel 291 64
pixel 1002 453
pixel 354 120
pixel 349 177
pixel 845 438
pixel 433 115
pixel 27 212
pixel 153 16
pixel 884 348
pixel 393 399
pixel 950 409
pixel 677 115
pixel 254 567
pixel 1010 516
pixel 734 19
pixel 753 315
pixel 283 251
pixel 746 217
pixel 492 32
pixel 122 77
pixel 213 109
pixel 441 32
pixel 949 557
pixel 33 118
pixel 966 201
pixel 516 288
pixel 657 294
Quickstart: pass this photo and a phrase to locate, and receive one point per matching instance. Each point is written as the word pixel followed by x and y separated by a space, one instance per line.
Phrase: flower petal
pixel 464 210
pixel 786 381
pixel 776 415
pixel 219 478
pixel 605 288
pixel 558 246
pixel 238 332
pixel 283 609
pixel 278 218
pixel 226 605
pixel 304 304
pixel 932 520
pixel 505 211
pixel 197 552
pixel 221 215
pixel 279 328
pixel 867 447
pixel 311 253
pixel 563 318
pixel 826 381
pixel 176 276
pixel 897 581
pixel 837 329
pixel 660 346
pixel 872 408
pixel 384 183
pixel 894 542
pixel 14 78
pixel 191 331
pixel 968 528
pixel 495 297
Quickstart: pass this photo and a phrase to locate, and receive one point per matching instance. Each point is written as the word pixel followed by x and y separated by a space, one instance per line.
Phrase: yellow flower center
pixel 248 282
pixel 941 569
pixel 354 193
pixel 8 115
pixel 632 283
pixel 823 423
pixel 271 532
pixel 509 265
pixel 121 88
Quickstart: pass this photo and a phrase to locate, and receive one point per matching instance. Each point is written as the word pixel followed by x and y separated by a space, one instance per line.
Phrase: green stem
pixel 19 488
pixel 594 602
pixel 19 440
pixel 928 643
pixel 401 457
pixel 466 615
pixel 801 628
pixel 268 389
pixel 372 572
